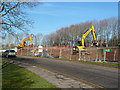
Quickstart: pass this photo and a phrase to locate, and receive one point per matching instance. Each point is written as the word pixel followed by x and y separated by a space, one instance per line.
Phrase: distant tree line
pixel 11 41
pixel 106 32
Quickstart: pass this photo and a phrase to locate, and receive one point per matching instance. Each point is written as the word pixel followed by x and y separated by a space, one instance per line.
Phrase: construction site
pixel 93 53
pixel 59 45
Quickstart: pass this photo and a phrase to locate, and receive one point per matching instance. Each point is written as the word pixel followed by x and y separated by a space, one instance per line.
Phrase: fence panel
pixel 93 54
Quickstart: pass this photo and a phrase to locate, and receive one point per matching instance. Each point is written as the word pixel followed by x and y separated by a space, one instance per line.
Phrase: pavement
pixel 87 74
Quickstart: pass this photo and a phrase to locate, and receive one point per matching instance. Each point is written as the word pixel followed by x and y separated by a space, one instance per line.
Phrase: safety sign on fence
pixel 40 49
pixel 107 50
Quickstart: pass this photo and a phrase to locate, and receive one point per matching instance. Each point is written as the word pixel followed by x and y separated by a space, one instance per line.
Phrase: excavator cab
pixel 79 47
pixel 79 43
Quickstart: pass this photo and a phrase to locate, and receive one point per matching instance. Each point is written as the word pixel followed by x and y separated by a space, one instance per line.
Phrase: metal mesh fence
pixel 92 54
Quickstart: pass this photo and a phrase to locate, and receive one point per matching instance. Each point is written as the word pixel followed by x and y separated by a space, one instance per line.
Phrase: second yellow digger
pixel 23 42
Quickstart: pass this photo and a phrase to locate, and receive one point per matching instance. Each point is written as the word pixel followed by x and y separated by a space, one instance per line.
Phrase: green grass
pixel 0 62
pixel 87 62
pixel 95 63
pixel 100 63
pixel 17 77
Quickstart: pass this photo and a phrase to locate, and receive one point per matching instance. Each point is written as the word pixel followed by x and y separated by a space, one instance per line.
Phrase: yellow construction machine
pixel 81 44
pixel 24 42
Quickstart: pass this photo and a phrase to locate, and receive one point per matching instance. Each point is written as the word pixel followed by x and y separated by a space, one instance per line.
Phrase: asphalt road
pixel 102 76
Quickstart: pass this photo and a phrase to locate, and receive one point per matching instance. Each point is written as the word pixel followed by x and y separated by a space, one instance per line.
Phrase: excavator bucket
pixel 95 43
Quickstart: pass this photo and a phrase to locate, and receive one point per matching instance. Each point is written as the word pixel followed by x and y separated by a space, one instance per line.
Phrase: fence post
pixel 50 51
pixel 71 54
pixel 42 52
pixel 27 51
pixel 68 53
pixel 119 50
pixel 33 52
pixel 21 51
pixel 89 58
pixel 104 56
pixel 115 54
pixel 60 53
pixel 79 54
pixel 30 51
pixel 84 58
pixel 97 55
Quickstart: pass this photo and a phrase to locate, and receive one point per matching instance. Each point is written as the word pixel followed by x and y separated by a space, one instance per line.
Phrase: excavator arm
pixel 23 42
pixel 93 33
pixel 95 41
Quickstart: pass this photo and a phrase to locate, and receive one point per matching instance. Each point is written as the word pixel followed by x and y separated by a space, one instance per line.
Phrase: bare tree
pixel 10 40
pixel 38 39
pixel 13 16
pixel 19 38
pixel 106 32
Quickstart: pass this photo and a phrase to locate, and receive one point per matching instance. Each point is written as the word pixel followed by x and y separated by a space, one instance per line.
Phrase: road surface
pixel 98 75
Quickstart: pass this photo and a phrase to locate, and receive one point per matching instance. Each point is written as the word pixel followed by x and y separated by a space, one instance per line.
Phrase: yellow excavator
pixel 81 44
pixel 23 42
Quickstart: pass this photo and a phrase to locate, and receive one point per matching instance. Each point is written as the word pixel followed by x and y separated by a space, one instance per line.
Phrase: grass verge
pixel 88 62
pixel 14 76
pixel 95 63
pixel 85 62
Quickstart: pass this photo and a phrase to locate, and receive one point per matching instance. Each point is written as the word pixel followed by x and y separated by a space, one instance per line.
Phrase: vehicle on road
pixel 9 53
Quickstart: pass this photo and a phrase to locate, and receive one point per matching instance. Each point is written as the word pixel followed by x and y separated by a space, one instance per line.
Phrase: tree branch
pixel 11 9
pixel 5 23
pixel 2 7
